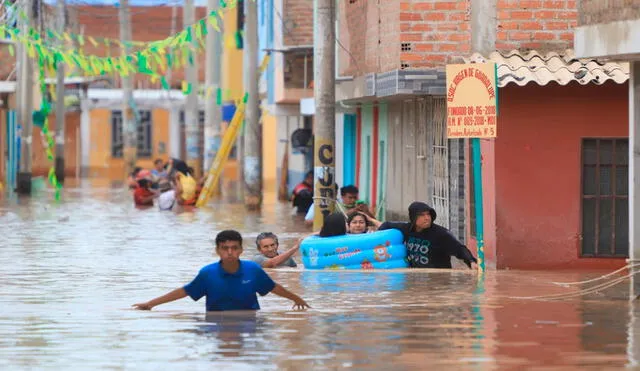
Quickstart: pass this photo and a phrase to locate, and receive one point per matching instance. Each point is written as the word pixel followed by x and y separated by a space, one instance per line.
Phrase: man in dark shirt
pixel 428 244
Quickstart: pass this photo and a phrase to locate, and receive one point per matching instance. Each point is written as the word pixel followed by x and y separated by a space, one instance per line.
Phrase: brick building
pixel 392 58
pixel 611 29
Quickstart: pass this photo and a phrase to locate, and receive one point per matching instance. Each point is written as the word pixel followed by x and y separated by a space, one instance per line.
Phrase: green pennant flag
pixel 219 96
pixel 38 119
pixel 165 84
pixel 186 90
pixel 142 64
pixel 203 27
pixel 169 60
pixel 39 50
pixel 191 59
pixel 189 37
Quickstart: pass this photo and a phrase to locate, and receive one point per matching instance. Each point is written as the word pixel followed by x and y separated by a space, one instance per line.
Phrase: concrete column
pixel 85 135
pixel 634 173
pixel 252 164
pixel 324 67
pixel 174 132
pixel 484 25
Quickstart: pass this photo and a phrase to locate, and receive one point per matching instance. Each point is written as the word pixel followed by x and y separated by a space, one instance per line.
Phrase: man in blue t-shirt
pixel 230 284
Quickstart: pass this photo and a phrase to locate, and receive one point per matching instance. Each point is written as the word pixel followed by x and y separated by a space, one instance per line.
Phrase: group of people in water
pixel 170 182
pixel 233 284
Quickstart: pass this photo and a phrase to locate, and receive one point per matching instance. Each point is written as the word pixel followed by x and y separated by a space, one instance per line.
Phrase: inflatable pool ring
pixel 378 250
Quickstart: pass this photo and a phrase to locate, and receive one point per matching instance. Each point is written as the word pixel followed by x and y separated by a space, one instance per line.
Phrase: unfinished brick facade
pixel 147 24
pixel 433 32
pixel 605 11
pixel 368 36
pixel 416 34
pixel 544 25
pixel 297 29
pixel 409 34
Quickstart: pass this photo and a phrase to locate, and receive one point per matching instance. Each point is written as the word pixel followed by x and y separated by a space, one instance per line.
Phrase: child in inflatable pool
pixel 229 284
pixel 268 256
pixel 334 225
pixel 359 223
pixel 428 244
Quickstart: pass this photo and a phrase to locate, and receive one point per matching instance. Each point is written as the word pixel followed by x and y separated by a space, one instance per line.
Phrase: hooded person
pixel 429 245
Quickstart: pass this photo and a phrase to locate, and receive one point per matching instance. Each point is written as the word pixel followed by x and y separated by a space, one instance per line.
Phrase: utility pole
pixel 60 109
pixel 25 106
pixel 253 132
pixel 191 107
pixel 174 16
pixel 213 113
pixel 129 125
pixel 324 72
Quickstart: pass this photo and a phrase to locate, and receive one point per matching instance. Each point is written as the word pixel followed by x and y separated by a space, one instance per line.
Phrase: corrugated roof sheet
pixel 522 68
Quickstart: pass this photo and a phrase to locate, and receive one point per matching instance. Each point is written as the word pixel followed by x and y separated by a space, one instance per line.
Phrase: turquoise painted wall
pixel 366 153
pixel 349 144
pixel 383 124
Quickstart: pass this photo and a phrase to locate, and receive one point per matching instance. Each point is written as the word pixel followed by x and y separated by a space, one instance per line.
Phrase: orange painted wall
pixel 102 164
pixel 538 171
pixel 40 163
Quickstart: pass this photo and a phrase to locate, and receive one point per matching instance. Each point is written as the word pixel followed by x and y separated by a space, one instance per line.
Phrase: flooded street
pixel 71 271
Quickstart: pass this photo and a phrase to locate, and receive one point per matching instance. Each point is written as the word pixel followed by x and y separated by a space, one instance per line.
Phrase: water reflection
pixel 71 270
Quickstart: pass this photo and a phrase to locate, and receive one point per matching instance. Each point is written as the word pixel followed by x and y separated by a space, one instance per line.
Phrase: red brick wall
pixel 543 25
pixel 298 22
pixel 389 33
pixel 433 32
pixel 438 31
pixel 148 24
pixel 359 34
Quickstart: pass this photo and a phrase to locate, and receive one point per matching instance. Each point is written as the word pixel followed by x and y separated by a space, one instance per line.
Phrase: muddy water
pixel 70 272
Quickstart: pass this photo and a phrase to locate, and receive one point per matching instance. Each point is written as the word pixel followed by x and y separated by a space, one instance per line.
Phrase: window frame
pixel 613 196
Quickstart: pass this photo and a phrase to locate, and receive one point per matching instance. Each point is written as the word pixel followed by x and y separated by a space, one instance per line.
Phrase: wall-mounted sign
pixel 471 100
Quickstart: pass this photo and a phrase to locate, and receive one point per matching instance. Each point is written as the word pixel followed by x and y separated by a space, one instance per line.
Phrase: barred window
pixel 605 197
pixel 144 134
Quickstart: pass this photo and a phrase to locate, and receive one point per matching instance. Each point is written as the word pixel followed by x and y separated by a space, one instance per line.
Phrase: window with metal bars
pixel 605 197
pixel 144 144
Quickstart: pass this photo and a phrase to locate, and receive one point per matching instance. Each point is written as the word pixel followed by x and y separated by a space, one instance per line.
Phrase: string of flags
pixel 151 58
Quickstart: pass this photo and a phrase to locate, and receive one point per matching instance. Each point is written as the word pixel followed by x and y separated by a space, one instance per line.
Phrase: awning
pixel 522 68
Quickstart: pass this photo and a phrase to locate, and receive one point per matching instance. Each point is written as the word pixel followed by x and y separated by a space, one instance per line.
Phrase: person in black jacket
pixel 428 244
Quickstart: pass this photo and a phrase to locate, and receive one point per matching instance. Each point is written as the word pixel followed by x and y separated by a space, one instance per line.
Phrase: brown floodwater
pixel 70 271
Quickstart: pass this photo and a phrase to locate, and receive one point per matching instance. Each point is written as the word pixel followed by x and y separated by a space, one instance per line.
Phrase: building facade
pixel 392 56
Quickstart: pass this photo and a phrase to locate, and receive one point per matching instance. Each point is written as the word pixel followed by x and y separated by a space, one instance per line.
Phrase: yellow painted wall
pixel 269 140
pixel 102 164
pixel 232 85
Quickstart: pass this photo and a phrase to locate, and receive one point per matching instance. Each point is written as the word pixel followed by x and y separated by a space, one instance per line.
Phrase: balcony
pixel 294 75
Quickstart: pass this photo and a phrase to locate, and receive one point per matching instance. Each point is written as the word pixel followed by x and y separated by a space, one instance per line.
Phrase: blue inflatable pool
pixel 378 250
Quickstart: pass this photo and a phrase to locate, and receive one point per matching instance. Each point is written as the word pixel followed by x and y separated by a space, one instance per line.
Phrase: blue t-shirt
pixel 226 291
